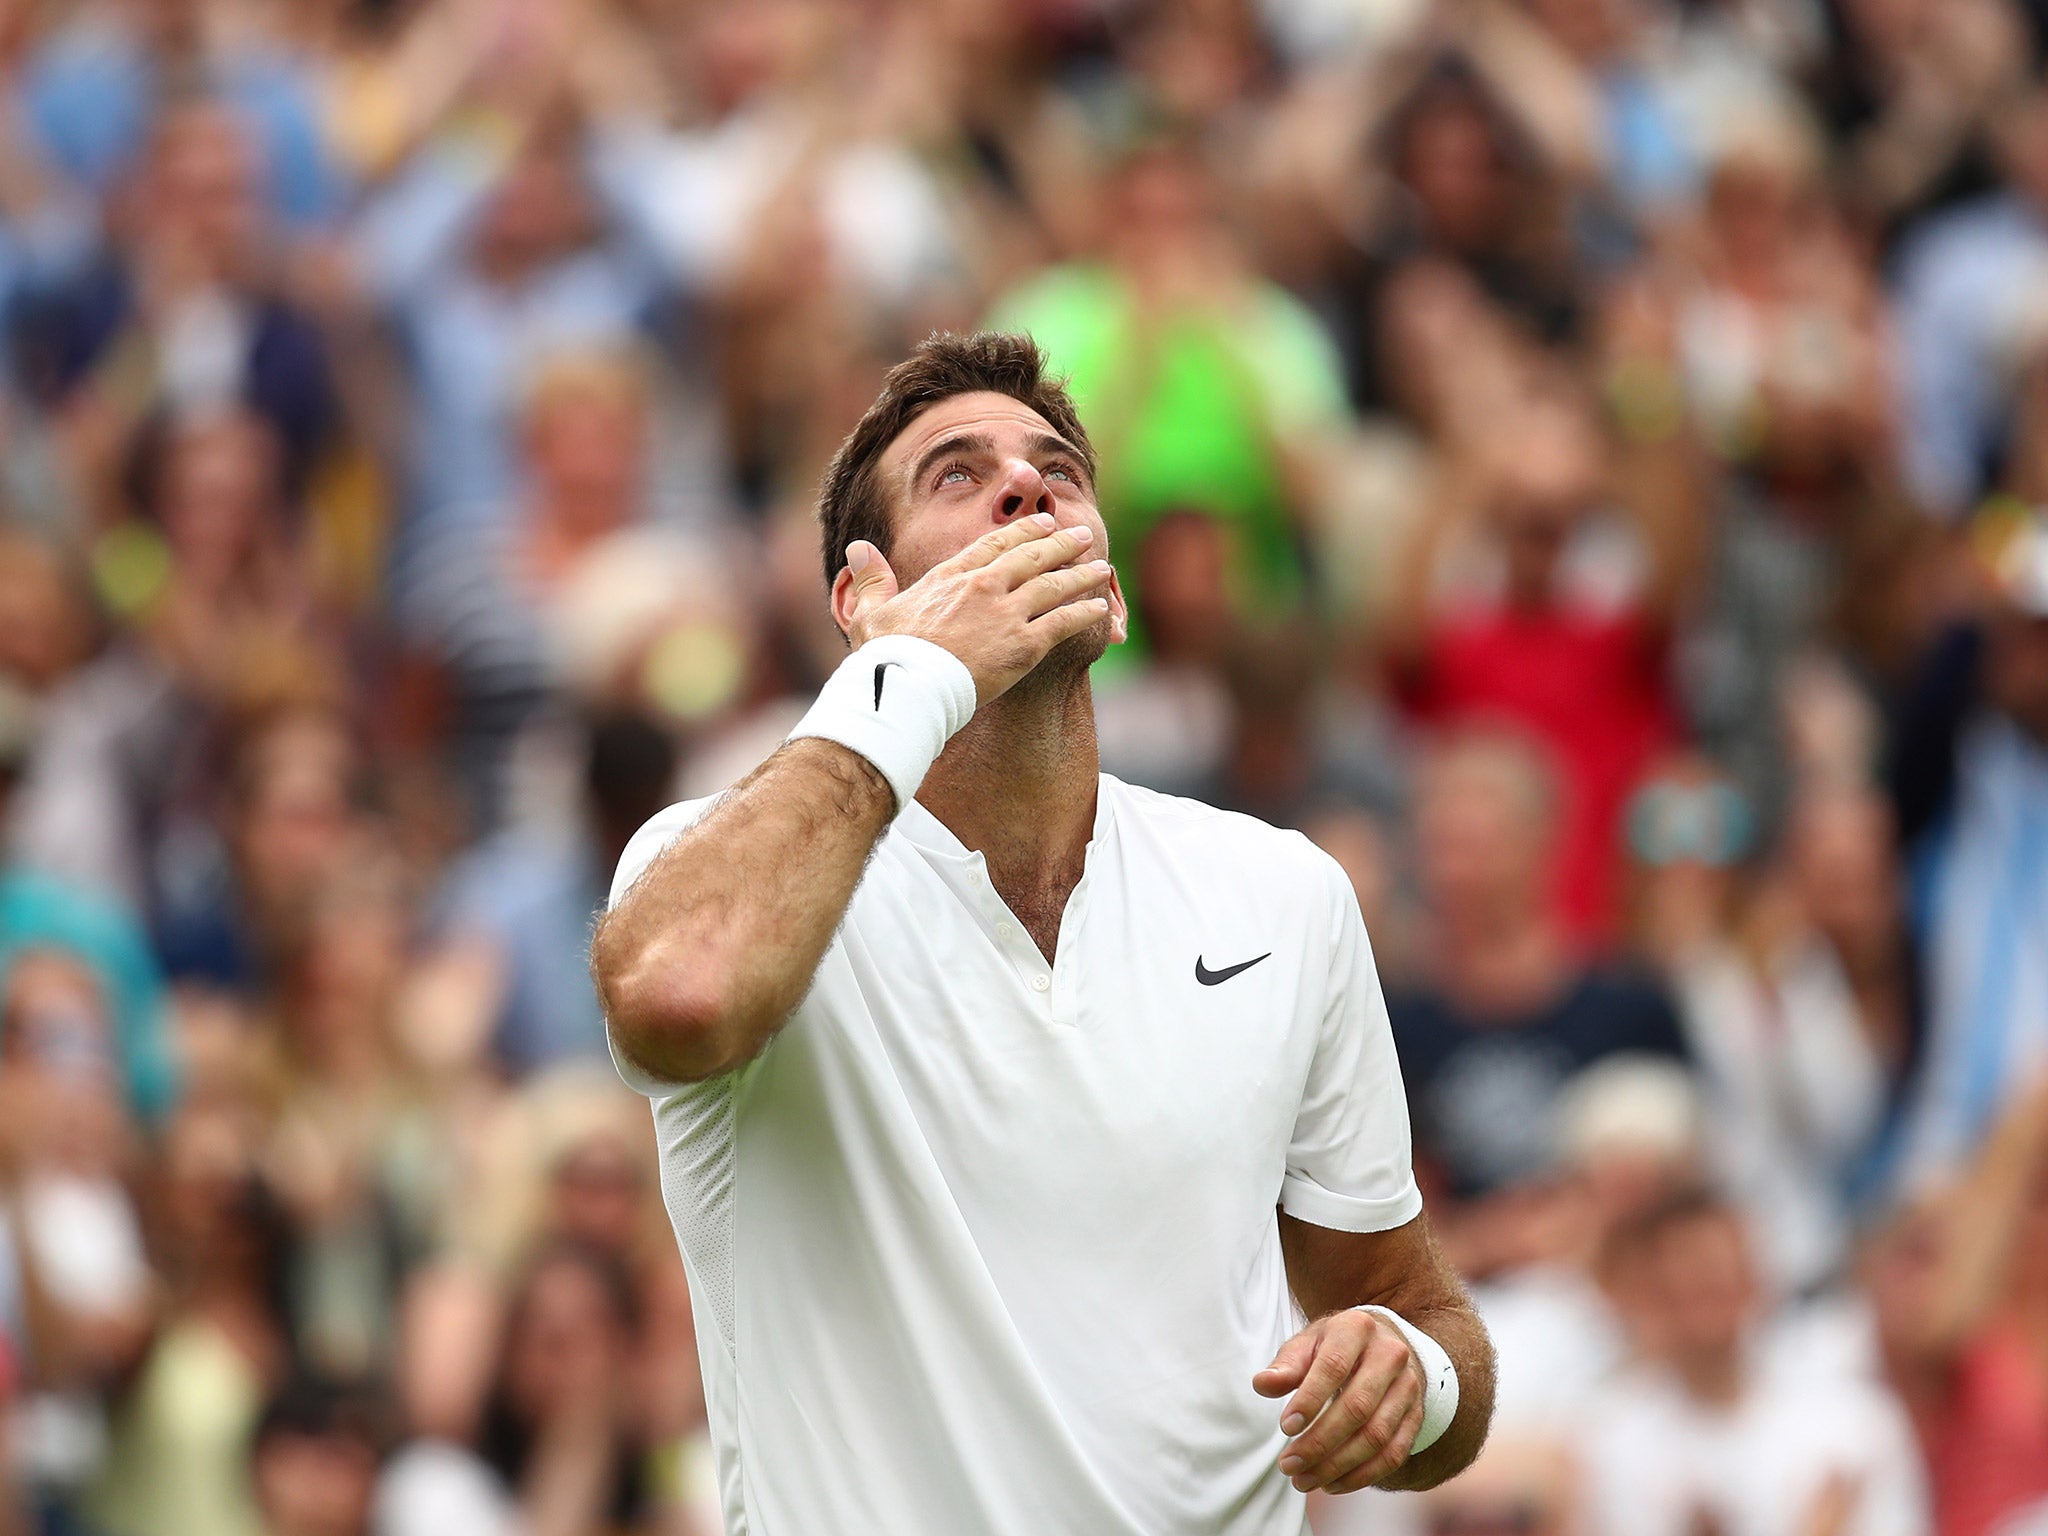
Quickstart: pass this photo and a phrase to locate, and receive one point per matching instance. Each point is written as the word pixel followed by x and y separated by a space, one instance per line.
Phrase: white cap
pixel 1629 1103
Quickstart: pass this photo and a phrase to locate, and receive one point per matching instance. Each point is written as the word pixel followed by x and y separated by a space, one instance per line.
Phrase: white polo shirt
pixel 983 1246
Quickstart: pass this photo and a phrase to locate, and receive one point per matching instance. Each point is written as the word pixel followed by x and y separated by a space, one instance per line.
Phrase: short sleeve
pixel 642 850
pixel 1349 1166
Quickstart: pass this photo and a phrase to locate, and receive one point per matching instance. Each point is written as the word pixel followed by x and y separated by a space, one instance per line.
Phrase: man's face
pixel 1480 847
pixel 1453 166
pixel 973 463
pixel 208 175
pixel 316 1485
pixel 1706 1286
pixel 588 457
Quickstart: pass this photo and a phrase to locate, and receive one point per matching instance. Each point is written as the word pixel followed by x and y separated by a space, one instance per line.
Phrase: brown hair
pixel 852 505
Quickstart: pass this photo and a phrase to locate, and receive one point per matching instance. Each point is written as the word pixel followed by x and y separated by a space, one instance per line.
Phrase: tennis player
pixel 1007 1111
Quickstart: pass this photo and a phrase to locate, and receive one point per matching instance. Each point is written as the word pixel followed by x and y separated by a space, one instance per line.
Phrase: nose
pixel 1021 492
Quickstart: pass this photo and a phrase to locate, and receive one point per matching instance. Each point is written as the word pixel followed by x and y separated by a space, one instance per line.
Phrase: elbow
pixel 678 1024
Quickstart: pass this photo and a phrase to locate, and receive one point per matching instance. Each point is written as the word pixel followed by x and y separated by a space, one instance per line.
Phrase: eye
pixel 954 474
pixel 1063 468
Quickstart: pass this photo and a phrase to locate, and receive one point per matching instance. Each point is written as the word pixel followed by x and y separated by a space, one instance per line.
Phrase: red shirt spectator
pixel 1532 605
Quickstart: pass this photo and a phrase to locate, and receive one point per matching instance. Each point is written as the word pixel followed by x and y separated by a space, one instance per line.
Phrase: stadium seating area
pixel 1583 462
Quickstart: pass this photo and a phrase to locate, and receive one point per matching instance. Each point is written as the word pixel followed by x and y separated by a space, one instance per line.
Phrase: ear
pixel 1119 611
pixel 843 600
pixel 864 583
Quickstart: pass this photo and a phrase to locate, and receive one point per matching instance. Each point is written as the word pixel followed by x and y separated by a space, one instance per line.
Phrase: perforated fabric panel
pixel 695 1128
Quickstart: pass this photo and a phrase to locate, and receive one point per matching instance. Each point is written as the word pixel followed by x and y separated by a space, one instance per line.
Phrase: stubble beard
pixel 1066 664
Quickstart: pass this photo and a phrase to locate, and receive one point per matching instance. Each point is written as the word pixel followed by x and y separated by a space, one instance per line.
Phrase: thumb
pixel 1289 1367
pixel 873 582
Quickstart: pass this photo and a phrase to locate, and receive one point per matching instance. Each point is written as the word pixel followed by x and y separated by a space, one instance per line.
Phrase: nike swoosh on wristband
pixel 880 668
pixel 1209 978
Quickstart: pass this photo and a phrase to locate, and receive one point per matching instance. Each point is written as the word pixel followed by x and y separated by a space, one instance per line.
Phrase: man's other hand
pixel 1357 1403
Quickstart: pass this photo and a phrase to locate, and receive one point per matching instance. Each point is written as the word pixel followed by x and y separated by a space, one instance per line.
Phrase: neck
pixel 1018 783
pixel 1714 1378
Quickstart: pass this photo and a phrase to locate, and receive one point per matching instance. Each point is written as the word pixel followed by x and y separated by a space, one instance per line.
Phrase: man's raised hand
pixel 1357 1403
pixel 999 605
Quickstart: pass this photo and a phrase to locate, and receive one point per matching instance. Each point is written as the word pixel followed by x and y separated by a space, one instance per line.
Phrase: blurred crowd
pixel 1584 462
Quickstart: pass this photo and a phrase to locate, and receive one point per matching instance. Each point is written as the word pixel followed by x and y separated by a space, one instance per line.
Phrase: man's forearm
pixel 1405 1271
pixel 1430 1295
pixel 702 960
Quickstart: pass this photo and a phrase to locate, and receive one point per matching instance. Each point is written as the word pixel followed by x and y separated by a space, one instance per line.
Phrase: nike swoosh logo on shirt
pixel 1209 978
pixel 880 668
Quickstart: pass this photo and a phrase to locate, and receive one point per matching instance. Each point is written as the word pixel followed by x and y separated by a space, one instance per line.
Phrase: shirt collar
pixel 933 836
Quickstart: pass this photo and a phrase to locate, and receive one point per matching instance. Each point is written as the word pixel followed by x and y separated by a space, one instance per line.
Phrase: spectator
pixel 490 257
pixel 560 1425
pixel 1956 1284
pixel 45 630
pixel 1710 1433
pixel 177 1459
pixel 1202 386
pixel 1502 1011
pixel 239 916
pixel 1363 846
pixel 313 1459
pixel 356 1151
pixel 1296 743
pixel 1912 95
pixel 435 1482
pixel 1800 998
pixel 76 1281
pixel 1463 183
pixel 1525 1488
pixel 1165 722
pixel 1781 331
pixel 1602 70
pixel 1971 779
pixel 1967 281
pixel 92 90
pixel 1524 597
pixel 474 600
pixel 182 312
pixel 130 744
pixel 39 916
pixel 1629 1133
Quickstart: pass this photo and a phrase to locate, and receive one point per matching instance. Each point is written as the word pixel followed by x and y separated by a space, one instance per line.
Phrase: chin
pixel 1069 661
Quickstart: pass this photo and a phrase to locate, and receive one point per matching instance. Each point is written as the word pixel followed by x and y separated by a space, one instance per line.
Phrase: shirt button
pixel 1041 983
pixel 1006 931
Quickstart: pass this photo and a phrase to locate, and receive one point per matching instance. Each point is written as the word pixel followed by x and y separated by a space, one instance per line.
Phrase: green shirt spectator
pixel 1191 407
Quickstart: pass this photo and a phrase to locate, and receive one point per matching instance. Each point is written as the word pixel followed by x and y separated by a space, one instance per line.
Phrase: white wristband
pixel 896 701
pixel 1439 1380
